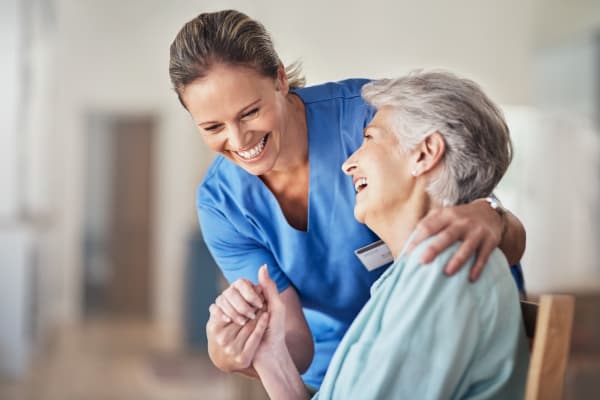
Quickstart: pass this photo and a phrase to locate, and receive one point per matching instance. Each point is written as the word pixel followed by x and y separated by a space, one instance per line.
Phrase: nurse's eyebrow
pixel 242 111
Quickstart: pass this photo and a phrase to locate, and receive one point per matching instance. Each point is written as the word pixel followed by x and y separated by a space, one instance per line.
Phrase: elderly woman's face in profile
pixel 380 169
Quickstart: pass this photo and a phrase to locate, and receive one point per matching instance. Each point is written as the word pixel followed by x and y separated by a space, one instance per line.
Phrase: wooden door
pixel 129 285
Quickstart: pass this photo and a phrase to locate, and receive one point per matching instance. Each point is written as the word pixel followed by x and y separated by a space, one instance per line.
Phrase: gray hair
pixel 478 145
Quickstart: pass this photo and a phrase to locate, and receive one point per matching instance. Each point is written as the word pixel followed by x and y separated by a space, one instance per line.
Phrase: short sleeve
pixel 236 255
pixel 517 274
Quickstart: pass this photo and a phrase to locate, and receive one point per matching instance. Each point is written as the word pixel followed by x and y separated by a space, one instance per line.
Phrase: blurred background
pixel 104 280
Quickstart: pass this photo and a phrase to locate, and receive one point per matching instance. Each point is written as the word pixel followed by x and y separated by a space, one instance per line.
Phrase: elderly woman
pixel 435 141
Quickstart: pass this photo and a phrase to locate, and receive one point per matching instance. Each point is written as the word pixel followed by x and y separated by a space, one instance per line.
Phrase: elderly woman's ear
pixel 429 154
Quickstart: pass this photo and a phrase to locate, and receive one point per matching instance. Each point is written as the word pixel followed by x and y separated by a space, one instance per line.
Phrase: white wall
pixel 113 55
pixel 36 111
pixel 10 79
pixel 16 245
pixel 552 185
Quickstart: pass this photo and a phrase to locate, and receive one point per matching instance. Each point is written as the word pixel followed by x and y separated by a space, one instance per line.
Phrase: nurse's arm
pixel 298 338
pixel 479 227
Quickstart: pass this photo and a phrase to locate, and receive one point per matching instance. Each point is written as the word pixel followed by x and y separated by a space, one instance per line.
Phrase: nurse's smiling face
pixel 380 170
pixel 241 114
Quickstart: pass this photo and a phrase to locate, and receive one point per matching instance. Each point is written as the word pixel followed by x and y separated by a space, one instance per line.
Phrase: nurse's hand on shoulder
pixel 476 224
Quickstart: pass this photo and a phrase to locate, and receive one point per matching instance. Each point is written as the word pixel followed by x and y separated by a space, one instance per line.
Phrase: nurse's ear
pixel 281 84
pixel 429 153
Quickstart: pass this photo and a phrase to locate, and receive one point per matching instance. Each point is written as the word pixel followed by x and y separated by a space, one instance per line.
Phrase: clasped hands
pixel 247 321
pixel 247 324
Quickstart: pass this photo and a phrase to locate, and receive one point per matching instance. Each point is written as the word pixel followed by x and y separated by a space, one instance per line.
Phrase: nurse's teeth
pixel 360 184
pixel 253 152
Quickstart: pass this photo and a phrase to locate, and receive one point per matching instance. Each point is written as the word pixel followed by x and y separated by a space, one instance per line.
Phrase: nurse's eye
pixel 213 128
pixel 250 114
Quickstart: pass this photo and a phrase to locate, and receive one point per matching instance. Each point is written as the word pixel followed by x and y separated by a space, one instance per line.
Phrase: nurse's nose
pixel 237 137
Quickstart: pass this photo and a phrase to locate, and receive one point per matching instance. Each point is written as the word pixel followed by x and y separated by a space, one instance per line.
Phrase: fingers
pixel 464 252
pixel 257 334
pixel 240 301
pixel 229 310
pixel 247 291
pixel 220 334
pixel 244 333
pixel 269 287
pixel 245 344
pixel 434 222
pixel 240 304
pixel 216 312
pixel 477 244
pixel 449 225
pixel 442 241
pixel 228 345
pixel 482 257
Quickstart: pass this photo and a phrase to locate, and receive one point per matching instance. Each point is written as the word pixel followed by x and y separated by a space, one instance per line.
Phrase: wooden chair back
pixel 548 324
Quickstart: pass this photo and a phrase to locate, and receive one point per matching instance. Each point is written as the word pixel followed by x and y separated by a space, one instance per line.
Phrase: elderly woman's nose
pixel 349 165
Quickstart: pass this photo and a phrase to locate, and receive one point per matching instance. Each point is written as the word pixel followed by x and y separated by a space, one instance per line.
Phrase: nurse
pixel 275 194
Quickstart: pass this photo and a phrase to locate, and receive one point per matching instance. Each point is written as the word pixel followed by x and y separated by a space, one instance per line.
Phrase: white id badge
pixel 374 255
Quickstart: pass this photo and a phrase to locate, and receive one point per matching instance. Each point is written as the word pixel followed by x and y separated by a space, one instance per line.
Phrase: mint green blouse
pixel 424 335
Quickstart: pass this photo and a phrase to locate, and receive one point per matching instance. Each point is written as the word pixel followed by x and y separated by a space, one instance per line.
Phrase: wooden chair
pixel 548 325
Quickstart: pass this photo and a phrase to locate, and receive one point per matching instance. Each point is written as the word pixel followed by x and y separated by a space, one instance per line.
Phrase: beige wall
pixel 561 20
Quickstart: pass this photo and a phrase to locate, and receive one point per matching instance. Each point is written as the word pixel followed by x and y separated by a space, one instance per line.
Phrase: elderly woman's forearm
pixel 280 378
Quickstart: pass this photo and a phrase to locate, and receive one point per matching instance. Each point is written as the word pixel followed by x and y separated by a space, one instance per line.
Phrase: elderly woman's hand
pixel 273 361
pixel 477 225
pixel 273 343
